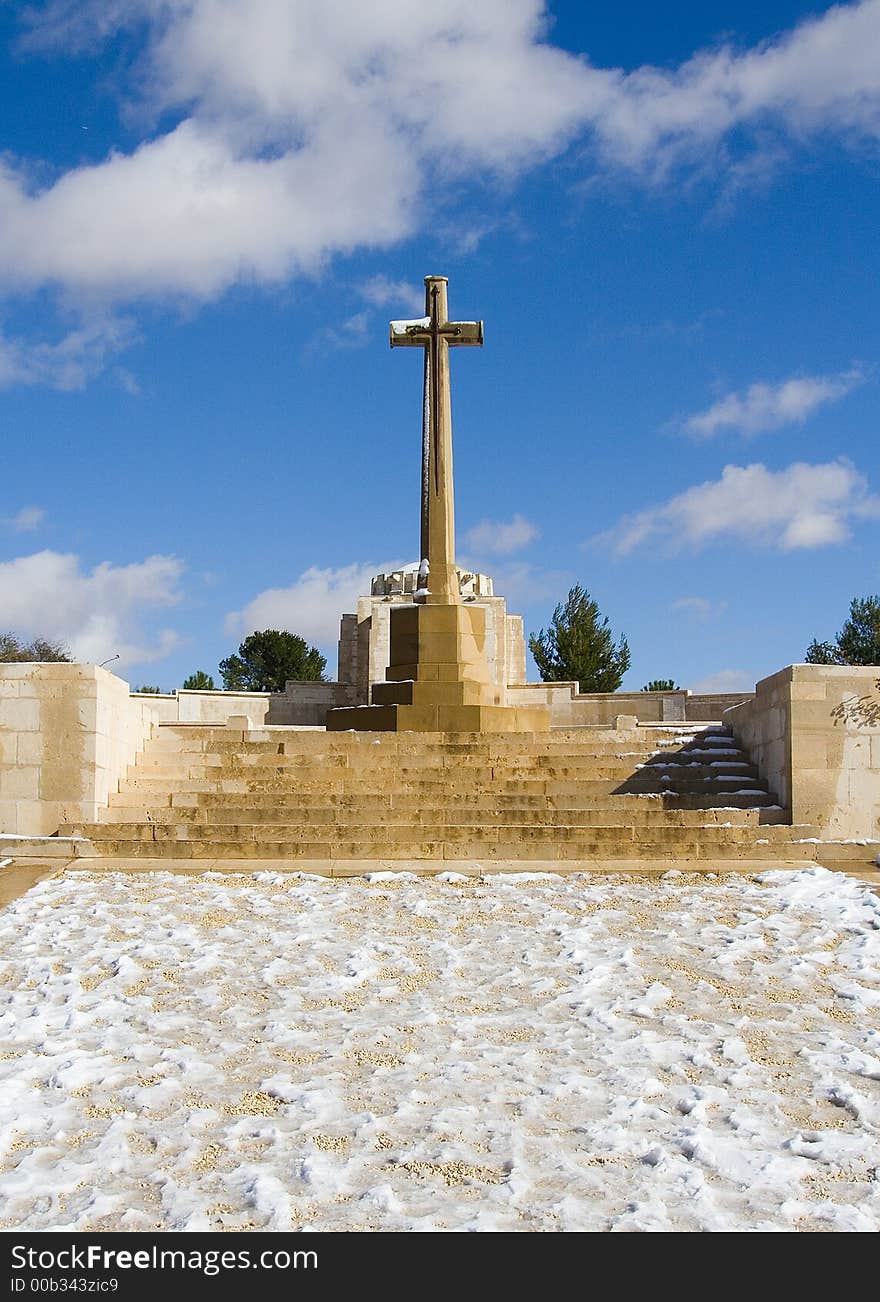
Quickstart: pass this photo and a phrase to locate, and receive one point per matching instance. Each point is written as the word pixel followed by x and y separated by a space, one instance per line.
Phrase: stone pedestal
pixel 438 679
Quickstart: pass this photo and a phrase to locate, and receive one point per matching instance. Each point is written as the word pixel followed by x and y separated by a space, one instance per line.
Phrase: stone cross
pixel 438 577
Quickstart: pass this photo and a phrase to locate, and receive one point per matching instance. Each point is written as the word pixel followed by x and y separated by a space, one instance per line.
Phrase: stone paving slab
pixel 21 874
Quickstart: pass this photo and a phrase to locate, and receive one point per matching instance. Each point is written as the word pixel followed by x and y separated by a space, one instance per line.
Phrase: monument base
pixel 438 718
pixel 438 679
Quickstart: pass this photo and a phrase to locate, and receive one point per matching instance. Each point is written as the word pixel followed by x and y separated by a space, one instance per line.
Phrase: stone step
pixel 475 831
pixel 409 825
pixel 571 794
pixel 488 849
pixel 163 791
pixel 359 813
pixel 434 779
pixel 177 734
pixel 620 770
pixel 439 754
pixel 291 741
pixel 728 751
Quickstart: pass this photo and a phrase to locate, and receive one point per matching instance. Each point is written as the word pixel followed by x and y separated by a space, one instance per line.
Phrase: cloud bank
pixel 499 537
pixel 311 606
pixel 305 128
pixel 799 507
pixel 26 520
pixel 769 406
pixel 98 614
pixel 71 362
pixel 699 607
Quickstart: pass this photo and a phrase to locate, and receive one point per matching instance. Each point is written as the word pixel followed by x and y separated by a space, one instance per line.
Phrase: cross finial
pixel 438 579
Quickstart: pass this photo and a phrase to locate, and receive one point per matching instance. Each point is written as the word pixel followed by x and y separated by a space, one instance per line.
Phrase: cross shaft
pixel 436 334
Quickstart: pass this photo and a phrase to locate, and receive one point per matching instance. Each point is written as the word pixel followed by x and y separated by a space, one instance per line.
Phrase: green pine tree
pixel 579 646
pixel 265 661
pixel 199 682
pixel 661 685
pixel 857 643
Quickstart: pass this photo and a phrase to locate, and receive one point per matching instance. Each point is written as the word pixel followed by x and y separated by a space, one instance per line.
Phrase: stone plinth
pixel 438 679
pixel 365 637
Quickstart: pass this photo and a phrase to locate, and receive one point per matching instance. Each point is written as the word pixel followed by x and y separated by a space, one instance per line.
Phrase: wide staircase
pixel 310 797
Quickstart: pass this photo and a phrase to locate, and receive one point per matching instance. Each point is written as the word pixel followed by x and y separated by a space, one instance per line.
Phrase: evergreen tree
pixel 199 682
pixel 579 646
pixel 14 650
pixel 661 685
pixel 823 653
pixel 857 643
pixel 266 661
pixel 148 691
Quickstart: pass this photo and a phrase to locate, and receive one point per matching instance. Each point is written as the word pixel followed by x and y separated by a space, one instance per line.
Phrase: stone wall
pixel 516 651
pixel 67 735
pixel 164 703
pixel 348 650
pixel 216 707
pixel 570 708
pixel 814 733
pixel 305 704
pixel 762 726
pixel 301 704
pixel 710 707
pixel 188 706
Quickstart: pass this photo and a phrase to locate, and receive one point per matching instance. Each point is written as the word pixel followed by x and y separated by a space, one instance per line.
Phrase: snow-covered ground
pixel 516 1053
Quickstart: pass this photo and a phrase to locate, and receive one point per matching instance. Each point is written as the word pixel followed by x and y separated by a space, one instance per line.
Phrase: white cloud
pixel 799 507
pixel 352 333
pixel 97 614
pixel 725 680
pixel 823 75
pixel 500 538
pixel 26 520
pixel 356 331
pixel 768 406
pixel 306 128
pixel 700 607
pixel 520 583
pixel 382 292
pixel 71 362
pixel 311 606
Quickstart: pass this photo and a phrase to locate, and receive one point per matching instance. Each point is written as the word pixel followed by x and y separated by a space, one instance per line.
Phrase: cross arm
pixel 417 334
pixel 411 334
pixel 459 333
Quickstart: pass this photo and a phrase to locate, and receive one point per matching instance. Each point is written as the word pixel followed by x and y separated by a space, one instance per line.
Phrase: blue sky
pixel 209 211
